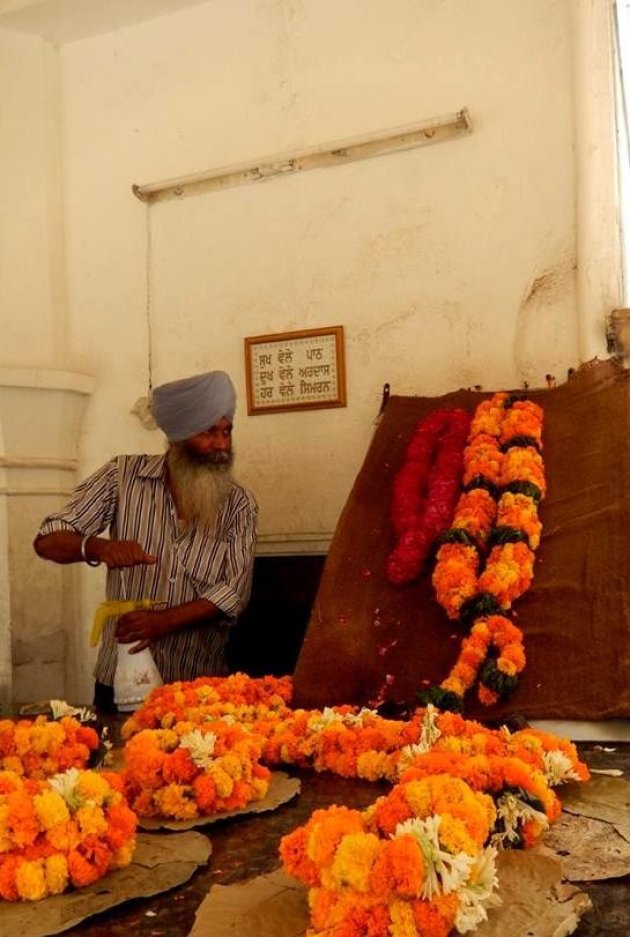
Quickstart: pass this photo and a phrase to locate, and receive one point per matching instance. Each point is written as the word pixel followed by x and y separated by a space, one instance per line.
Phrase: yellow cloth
pixel 110 609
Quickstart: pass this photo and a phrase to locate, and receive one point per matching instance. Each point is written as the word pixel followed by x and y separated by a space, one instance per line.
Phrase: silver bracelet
pixel 84 555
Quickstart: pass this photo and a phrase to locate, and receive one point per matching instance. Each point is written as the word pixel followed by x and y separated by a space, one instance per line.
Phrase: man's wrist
pixel 88 553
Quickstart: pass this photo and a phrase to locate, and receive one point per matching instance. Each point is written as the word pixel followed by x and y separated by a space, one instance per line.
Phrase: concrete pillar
pixel 41 413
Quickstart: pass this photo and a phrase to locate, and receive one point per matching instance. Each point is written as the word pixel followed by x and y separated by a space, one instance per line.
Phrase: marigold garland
pixel 420 868
pixel 238 697
pixel 425 490
pixel 39 748
pixel 190 771
pixel 67 831
pixel 354 742
pixel 486 560
pixel 420 861
pixel 342 739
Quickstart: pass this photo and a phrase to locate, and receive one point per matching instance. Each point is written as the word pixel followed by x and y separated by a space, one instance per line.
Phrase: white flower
pixel 514 812
pixel 328 717
pixel 430 731
pixel 407 755
pixel 558 769
pixel 201 747
pixel 323 720
pixel 60 708
pixel 429 734
pixel 477 894
pixel 364 714
pixel 445 872
pixel 65 784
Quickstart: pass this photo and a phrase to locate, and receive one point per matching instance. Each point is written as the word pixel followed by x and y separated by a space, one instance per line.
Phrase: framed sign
pixel 295 370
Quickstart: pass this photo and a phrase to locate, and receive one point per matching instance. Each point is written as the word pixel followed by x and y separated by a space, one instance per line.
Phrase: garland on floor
pixel 70 830
pixel 486 559
pixel 239 697
pixel 425 490
pixel 39 748
pixel 193 771
pixel 413 863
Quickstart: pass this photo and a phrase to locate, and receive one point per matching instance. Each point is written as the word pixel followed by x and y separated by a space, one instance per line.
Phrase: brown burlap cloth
pixel 367 639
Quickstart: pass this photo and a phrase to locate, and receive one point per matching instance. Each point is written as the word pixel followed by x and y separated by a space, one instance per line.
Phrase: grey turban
pixel 187 407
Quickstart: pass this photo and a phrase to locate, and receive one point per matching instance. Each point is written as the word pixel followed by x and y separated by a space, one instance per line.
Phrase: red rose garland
pixel 426 490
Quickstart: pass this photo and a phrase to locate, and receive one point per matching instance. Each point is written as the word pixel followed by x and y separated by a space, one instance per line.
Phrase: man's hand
pixel 64 546
pixel 119 553
pixel 143 626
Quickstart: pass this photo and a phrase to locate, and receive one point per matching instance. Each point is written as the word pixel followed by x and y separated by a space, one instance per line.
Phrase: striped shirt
pixel 129 495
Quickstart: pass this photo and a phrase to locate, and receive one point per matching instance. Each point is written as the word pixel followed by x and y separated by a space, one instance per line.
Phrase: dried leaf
pixel 160 863
pixel 589 850
pixel 602 799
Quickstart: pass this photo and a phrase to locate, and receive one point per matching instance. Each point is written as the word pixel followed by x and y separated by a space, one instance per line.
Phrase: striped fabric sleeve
pixel 91 507
pixel 230 593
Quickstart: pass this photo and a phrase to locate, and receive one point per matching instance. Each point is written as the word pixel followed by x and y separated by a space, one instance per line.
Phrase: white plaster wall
pixel 32 272
pixel 448 266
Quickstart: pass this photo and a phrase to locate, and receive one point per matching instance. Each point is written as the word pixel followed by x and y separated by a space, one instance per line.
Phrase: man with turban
pixel 182 534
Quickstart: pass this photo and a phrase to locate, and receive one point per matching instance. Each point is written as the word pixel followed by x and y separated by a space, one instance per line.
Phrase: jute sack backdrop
pixel 368 640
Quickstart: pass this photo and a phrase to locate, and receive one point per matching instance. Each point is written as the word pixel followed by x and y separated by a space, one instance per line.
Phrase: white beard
pixel 200 488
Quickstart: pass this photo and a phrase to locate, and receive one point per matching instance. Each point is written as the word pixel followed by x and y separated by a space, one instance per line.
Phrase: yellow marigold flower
pixel 183 727
pixel 375 766
pixel 454 836
pixel 168 739
pixel 56 872
pixel 123 856
pixel 176 801
pixel 50 808
pixel 418 795
pixel 233 765
pixel 454 684
pixel 354 857
pixel 91 820
pixel 39 740
pixel 223 782
pixel 30 880
pixel 403 923
pixel 93 788
pixel 259 788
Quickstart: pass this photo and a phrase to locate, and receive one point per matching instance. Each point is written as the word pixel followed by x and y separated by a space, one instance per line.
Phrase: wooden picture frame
pixel 302 370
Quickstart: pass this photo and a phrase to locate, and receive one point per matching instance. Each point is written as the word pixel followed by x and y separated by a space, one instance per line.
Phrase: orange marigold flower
pixel 295 858
pixel 399 869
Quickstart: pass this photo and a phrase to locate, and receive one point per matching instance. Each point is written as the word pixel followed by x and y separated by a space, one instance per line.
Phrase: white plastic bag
pixel 136 675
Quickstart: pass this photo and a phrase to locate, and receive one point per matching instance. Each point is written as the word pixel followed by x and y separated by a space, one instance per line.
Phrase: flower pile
pixel 67 831
pixel 193 771
pixel 39 748
pixel 420 860
pixel 519 770
pixel 425 490
pixel 238 697
pixel 414 863
pixel 348 741
pixel 486 559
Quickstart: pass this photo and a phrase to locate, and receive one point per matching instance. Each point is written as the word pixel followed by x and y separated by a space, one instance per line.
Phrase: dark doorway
pixel 269 634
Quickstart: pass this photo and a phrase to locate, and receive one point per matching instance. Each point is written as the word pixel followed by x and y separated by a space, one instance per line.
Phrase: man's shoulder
pixel 242 497
pixel 143 464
